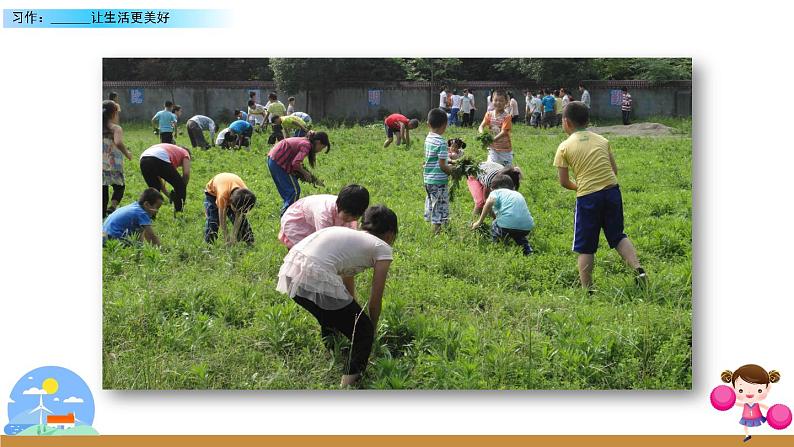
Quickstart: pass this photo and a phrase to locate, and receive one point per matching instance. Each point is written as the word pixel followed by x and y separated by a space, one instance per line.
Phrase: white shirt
pixel 313 269
pixel 536 105
pixel 157 151
pixel 513 107
pixel 471 96
pixel 456 99
pixel 465 104
pixel 528 103
pixel 222 136
pixel 586 98
pixel 442 99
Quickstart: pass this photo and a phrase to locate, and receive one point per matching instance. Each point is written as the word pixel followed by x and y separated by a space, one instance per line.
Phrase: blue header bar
pixel 115 18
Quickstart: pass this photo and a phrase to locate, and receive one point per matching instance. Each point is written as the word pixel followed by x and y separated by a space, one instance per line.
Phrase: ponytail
pixel 108 109
pixel 311 136
pixel 751 373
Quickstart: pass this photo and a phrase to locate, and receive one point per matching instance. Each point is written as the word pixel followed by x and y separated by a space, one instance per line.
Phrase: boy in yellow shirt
pixel 599 204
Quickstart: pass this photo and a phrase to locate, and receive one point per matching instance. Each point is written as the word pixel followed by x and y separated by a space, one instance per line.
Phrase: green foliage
pixel 459 311
pixel 186 69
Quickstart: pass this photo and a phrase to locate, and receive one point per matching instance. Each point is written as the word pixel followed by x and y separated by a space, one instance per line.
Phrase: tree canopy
pixel 319 74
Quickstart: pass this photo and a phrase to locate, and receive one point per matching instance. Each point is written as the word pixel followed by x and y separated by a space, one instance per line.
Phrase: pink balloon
pixel 778 416
pixel 723 398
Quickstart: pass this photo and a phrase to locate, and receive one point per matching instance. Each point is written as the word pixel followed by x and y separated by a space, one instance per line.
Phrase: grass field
pixel 459 312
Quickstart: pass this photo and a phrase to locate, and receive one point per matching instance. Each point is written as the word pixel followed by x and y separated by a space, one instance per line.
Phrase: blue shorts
pixel 594 212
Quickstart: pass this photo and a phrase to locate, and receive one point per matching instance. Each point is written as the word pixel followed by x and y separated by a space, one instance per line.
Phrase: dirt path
pixel 637 129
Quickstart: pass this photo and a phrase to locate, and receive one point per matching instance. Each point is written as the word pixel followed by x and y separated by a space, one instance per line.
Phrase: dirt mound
pixel 636 130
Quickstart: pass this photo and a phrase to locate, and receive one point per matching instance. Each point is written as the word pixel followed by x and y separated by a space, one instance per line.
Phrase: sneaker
pixel 747 438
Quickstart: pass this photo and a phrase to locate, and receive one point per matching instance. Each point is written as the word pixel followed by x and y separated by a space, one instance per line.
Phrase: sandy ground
pixel 636 129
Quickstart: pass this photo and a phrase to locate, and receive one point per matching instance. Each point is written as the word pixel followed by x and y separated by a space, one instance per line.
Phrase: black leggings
pixel 154 169
pixel 118 194
pixel 343 320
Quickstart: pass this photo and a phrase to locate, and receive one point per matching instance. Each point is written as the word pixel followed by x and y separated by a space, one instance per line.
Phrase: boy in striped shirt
pixel 436 171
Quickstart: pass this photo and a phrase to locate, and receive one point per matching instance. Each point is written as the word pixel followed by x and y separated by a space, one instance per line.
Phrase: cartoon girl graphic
pixel 751 383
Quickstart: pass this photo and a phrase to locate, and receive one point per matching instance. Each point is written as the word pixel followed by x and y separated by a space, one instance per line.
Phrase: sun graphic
pixel 50 385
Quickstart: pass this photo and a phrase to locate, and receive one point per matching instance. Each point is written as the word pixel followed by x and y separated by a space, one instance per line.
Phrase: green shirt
pixel 276 108
pixel 290 123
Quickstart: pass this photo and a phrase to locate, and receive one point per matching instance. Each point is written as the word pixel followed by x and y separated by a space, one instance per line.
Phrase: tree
pixel 651 69
pixel 432 69
pixel 548 71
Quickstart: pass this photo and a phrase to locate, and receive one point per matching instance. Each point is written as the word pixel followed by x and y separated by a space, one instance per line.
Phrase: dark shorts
pixel 389 131
pixel 167 137
pixel 594 212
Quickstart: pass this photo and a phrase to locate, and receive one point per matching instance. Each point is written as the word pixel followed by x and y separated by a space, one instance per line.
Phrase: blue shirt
pixel 511 210
pixel 166 120
pixel 126 221
pixel 243 116
pixel 548 103
pixel 241 127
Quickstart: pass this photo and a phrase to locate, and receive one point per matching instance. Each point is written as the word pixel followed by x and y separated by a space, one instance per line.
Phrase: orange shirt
pixel 221 187
pixel 498 123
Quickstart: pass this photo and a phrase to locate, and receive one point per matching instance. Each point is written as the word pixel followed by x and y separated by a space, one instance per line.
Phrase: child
pixel 164 123
pixel 456 100
pixel 227 195
pixel 256 114
pixel 240 115
pixel 466 107
pixel 134 219
pixel 319 275
pixel 537 110
pixel 599 204
pixel 113 96
pixel 275 108
pixel 242 131
pixel 306 119
pixel 499 123
pixel 112 150
pixel 456 147
pixel 625 106
pixel 480 187
pixel 549 117
pixel 226 139
pixel 289 124
pixel 512 215
pixel 436 171
pixel 751 383
pixel 313 213
pixel 290 105
pixel 513 107
pixel 195 130
pixel 159 164
pixel 557 108
pixel 399 124
pixel 285 162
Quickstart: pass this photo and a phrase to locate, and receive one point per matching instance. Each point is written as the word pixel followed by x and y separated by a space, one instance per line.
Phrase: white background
pixel 50 290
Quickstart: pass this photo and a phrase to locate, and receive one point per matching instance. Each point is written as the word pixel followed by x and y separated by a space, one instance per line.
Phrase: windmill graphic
pixel 41 409
pixel 48 386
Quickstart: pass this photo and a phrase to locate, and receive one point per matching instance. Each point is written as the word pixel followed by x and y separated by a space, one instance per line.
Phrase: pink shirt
pixel 308 215
pixel 751 412
pixel 290 152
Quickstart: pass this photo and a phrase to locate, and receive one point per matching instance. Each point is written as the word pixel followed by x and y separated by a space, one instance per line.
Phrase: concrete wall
pixel 351 102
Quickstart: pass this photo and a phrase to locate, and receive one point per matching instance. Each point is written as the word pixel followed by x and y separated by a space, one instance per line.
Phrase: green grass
pixel 459 312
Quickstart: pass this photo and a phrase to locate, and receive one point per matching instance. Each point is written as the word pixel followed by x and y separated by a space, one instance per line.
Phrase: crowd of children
pixel 326 246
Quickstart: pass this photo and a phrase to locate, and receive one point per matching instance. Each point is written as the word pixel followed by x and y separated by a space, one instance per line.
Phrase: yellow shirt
pixel 221 187
pixel 587 154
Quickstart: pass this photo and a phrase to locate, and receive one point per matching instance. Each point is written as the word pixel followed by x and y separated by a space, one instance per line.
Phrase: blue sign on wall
pixel 373 97
pixel 136 96
pixel 615 97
